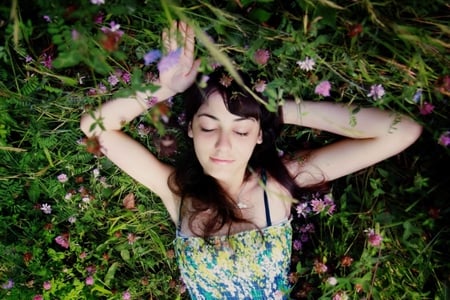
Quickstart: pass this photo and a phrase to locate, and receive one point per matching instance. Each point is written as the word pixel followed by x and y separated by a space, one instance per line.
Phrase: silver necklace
pixel 239 203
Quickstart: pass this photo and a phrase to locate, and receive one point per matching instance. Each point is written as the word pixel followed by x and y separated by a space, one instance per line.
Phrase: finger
pixel 189 41
pixel 165 40
pixel 173 45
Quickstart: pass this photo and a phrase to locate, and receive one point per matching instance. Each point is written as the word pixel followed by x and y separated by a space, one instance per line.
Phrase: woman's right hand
pixel 178 69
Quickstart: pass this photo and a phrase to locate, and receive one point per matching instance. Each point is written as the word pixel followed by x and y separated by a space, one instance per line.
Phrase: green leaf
pixel 260 15
pixel 111 273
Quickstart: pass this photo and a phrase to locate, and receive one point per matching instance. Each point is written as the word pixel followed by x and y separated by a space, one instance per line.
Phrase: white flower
pixel 307 64
pixel 62 178
pixel 332 280
pixel 46 208
pixel 98 2
pixel 72 219
pixel 376 91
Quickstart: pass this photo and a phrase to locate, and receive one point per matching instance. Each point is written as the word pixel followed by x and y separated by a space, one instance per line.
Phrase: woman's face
pixel 223 142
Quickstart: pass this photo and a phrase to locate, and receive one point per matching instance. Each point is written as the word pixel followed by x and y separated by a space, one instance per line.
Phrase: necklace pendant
pixel 242 205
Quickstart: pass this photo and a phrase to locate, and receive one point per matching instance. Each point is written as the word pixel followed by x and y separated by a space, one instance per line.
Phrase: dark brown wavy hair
pixel 190 182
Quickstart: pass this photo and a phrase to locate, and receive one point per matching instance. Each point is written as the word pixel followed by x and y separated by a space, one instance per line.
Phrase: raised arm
pixel 372 135
pixel 125 152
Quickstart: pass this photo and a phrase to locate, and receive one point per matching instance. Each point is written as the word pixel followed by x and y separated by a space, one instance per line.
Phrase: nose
pixel 223 141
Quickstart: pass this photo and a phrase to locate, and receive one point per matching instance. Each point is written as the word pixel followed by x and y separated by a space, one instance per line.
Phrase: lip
pixel 221 161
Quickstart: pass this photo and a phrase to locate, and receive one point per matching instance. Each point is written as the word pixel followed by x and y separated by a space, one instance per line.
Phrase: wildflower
pixel 83 255
pixel 89 280
pixel 376 91
pixel 417 96
pixel 151 56
pixel 318 205
pixel 261 56
pixel 75 35
pixel 307 64
pixel 28 59
pixel 169 61
pixel 151 101
pixel 340 296
pixel 91 269
pixel 302 209
pixel 98 2
pixel 111 39
pixel 307 228
pixel 62 178
pixel 346 261
pixel 319 267
pixel 332 281
pixel 113 80
pixel 126 77
pixel 126 295
pixel 323 88
pixel 426 108
pixel 27 257
pixel 226 80
pixel 38 297
pixel 47 19
pixel 354 30
pixel 46 208
pixel 98 19
pixel 8 285
pixel 297 244
pixel 62 241
pixel 47 285
pixel 131 238
pixel 260 85
pixel 48 61
pixel 374 239
pixel 328 201
pixel 444 139
pixel 72 219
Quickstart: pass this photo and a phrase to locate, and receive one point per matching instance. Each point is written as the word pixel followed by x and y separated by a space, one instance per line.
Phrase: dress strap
pixel 266 199
pixel 179 215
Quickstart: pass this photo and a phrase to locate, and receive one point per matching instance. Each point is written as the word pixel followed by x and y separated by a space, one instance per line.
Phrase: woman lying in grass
pixel 230 197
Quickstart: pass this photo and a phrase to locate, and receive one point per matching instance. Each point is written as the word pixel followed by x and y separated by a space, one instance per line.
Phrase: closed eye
pixel 241 133
pixel 206 129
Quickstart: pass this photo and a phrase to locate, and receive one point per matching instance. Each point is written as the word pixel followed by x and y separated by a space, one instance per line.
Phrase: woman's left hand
pixel 178 69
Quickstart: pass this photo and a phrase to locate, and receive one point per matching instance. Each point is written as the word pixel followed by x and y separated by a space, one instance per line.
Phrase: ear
pixel 190 134
pixel 260 137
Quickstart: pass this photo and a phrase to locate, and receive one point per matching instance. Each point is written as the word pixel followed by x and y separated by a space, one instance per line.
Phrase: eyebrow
pixel 217 119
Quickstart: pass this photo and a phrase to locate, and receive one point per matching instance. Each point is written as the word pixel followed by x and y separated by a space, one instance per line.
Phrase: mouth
pixel 221 161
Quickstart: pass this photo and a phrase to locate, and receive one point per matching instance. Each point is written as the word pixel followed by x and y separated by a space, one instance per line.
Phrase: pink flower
pixel 48 61
pixel 62 240
pixel 261 56
pixel 426 108
pixel 47 285
pixel 89 280
pixel 260 85
pixel 98 2
pixel 46 208
pixel 307 64
pixel 297 244
pixel 38 297
pixel 113 80
pixel 169 61
pixel 126 295
pixel 75 35
pixel 47 18
pixel 319 267
pixel 126 77
pixel 376 91
pixel 62 178
pixel 318 205
pixel 323 88
pixel 444 139
pixel 374 239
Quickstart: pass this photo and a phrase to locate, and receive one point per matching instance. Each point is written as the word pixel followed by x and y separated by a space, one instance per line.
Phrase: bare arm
pixel 125 152
pixel 373 135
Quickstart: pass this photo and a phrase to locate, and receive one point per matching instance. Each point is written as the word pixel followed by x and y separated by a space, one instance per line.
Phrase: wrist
pixel 150 98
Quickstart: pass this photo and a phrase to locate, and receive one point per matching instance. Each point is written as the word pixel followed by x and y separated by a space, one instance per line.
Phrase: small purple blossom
pixel 98 2
pixel 169 61
pixel 303 209
pixel 72 219
pixel 417 96
pixel 113 80
pixel 8 285
pixel 297 245
pixel 373 238
pixel 376 91
pixel 62 178
pixel 48 61
pixel 47 285
pixel 323 88
pixel 307 64
pixel 151 56
pixel 126 77
pixel 46 208
pixel 261 56
pixel 75 35
pixel 89 280
pixel 38 297
pixel 62 241
pixel 426 108
pixel 444 139
pixel 47 18
pixel 317 205
pixel 260 85
pixel 28 59
pixel 114 27
pixel 98 19
pixel 151 101
pixel 126 295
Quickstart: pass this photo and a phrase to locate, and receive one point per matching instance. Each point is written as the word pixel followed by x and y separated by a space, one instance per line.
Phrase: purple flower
pixel 114 27
pixel 260 85
pixel 28 59
pixel 113 80
pixel 317 205
pixel 169 61
pixel 307 64
pixel 374 239
pixel 376 91
pixel 426 108
pixel 297 244
pixel 75 35
pixel 62 241
pixel 323 88
pixel 47 19
pixel 98 2
pixel 151 56
pixel 126 77
pixel 62 178
pixel 48 61
pixel 303 209
pixel 126 295
pixel 98 19
pixel 8 285
pixel 444 139
pixel 89 280
pixel 47 285
pixel 261 56
pixel 417 96
pixel 38 297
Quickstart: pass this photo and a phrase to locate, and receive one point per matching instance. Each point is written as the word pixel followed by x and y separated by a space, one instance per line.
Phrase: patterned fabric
pixel 245 265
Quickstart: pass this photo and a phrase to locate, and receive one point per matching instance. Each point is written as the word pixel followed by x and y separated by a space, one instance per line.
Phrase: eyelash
pixel 238 133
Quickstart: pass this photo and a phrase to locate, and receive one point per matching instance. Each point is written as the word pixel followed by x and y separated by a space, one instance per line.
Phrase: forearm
pixel 114 114
pixel 347 120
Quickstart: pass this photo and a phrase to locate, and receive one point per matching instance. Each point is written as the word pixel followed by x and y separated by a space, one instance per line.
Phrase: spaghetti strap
pixel 179 215
pixel 266 199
